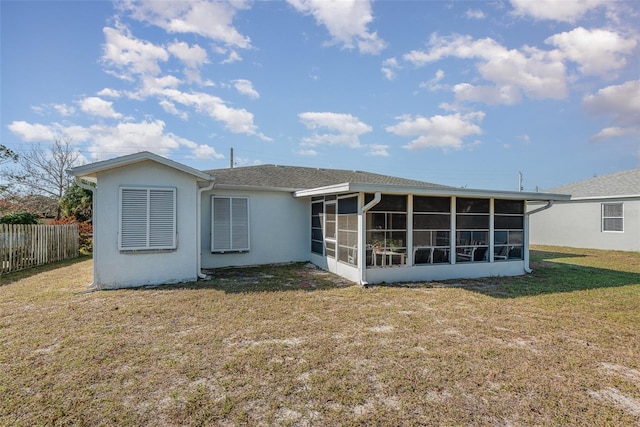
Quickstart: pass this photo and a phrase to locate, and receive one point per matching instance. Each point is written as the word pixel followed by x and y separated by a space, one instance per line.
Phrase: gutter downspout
pixel 91 286
pixel 527 269
pixel 201 275
pixel 362 251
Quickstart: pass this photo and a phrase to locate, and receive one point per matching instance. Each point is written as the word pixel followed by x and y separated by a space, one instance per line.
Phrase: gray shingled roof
pixel 623 183
pixel 301 178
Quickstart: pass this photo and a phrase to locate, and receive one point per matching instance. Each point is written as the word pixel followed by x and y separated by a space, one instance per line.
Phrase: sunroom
pixel 373 234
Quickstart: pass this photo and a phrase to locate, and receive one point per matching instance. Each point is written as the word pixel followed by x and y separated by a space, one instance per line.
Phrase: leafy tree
pixel 78 202
pixel 45 172
pixel 19 218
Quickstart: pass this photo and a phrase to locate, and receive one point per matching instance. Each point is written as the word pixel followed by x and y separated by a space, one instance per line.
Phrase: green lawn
pixel 297 346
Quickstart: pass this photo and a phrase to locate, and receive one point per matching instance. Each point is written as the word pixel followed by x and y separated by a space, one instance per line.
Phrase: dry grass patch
pixel 296 346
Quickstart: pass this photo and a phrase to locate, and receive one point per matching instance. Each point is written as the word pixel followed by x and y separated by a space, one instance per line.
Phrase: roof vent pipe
pixel 231 158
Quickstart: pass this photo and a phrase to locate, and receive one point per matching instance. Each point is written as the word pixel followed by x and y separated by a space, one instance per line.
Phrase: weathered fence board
pixel 24 246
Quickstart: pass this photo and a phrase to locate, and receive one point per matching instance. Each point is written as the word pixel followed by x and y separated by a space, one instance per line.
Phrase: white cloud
pixel 622 103
pixel 131 55
pixel 536 73
pixel 233 57
pixel 106 141
pixel 434 83
pixel 211 19
pixel 474 14
pixel 346 21
pixel 125 138
pixel 564 10
pixel 31 132
pixel 378 150
pixel 389 67
pixel 308 153
pixel 346 129
pixel 236 120
pixel 245 87
pixel 193 56
pixel 109 93
pixel 596 51
pixel 438 131
pixel 170 108
pixel 612 132
pixel 205 152
pixel 64 109
pixel 99 107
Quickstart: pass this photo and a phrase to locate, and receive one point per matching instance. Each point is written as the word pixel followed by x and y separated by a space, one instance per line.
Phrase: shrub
pixel 19 218
pixel 85 231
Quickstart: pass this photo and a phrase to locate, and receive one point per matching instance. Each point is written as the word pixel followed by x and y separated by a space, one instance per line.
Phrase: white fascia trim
pixel 90 170
pixel 428 191
pixel 632 196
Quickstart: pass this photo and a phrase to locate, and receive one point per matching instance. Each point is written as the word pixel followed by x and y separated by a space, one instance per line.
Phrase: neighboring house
pixel 157 221
pixel 603 213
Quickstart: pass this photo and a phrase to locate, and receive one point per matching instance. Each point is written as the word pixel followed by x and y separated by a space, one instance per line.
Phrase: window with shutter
pixel 230 224
pixel 147 218
pixel 613 217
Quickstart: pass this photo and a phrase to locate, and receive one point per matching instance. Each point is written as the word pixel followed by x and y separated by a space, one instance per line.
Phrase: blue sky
pixel 458 93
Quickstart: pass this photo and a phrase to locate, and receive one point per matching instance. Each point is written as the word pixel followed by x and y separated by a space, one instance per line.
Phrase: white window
pixel 613 217
pixel 230 224
pixel 147 218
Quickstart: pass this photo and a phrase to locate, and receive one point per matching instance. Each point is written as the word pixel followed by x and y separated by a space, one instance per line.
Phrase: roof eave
pixel 238 187
pixel 91 170
pixel 427 191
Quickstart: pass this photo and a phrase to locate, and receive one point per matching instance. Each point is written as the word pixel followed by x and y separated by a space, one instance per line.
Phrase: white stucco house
pixel 603 213
pixel 157 221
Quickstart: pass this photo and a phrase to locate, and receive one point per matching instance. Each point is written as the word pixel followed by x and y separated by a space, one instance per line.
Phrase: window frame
pixel 425 209
pixel 246 228
pixel 603 229
pixel 148 246
pixel 473 240
pixel 508 222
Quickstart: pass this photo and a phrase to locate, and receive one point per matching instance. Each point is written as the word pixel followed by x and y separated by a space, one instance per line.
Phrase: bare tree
pixel 6 155
pixel 44 172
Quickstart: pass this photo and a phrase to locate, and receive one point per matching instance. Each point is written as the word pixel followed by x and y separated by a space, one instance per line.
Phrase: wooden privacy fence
pixel 24 246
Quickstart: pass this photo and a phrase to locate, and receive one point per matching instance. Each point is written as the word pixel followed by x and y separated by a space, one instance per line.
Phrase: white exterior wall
pixel 279 229
pixel 578 224
pixel 118 269
pixel 423 273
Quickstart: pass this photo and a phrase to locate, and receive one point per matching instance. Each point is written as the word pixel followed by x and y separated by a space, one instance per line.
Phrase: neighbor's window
pixel 230 228
pixel 508 229
pixel 613 217
pixel 147 218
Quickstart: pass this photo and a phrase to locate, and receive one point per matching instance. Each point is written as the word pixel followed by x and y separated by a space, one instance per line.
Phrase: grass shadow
pixel 551 280
pixel 264 278
pixel 540 255
pixel 560 271
pixel 9 278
